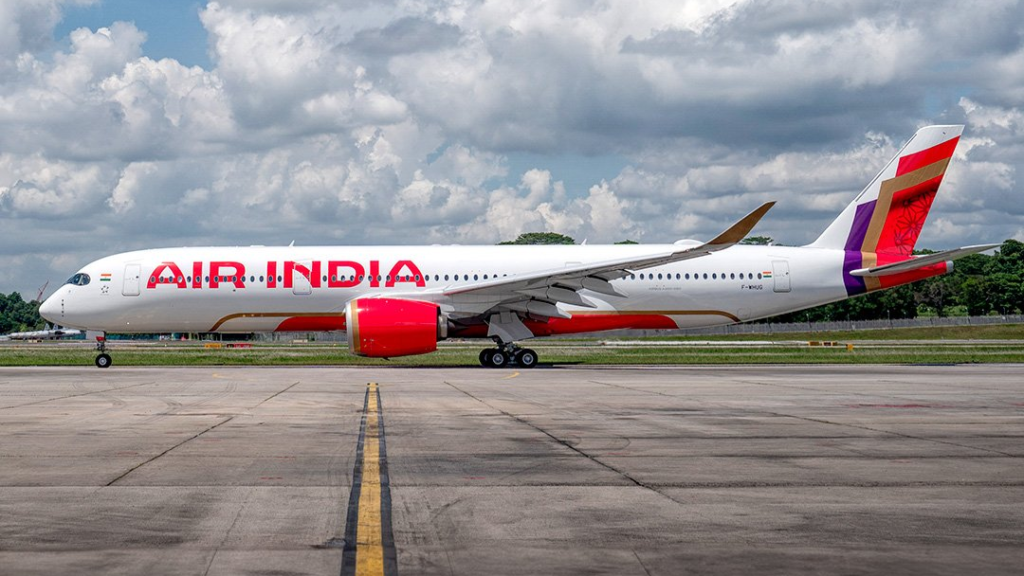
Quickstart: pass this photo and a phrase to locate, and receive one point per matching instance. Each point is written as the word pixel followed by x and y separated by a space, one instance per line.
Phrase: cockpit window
pixel 79 279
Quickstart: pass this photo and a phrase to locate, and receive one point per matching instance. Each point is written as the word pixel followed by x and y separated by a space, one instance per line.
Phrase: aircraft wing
pixel 538 293
pixel 922 261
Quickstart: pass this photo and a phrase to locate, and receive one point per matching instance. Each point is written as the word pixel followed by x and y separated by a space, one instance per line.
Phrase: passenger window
pixel 758 275
pixel 732 276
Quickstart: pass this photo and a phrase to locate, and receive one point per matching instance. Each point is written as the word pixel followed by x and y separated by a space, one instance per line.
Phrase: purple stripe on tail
pixel 861 220
pixel 854 284
pixel 854 245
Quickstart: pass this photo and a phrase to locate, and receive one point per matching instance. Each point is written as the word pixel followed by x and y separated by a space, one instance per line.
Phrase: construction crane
pixel 39 296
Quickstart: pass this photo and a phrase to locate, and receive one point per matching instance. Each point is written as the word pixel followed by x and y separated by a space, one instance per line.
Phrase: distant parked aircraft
pixel 55 333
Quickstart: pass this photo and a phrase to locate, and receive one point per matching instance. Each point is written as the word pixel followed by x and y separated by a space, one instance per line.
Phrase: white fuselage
pixel 253 289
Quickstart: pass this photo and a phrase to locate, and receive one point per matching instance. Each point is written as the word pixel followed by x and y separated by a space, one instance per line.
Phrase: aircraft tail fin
pixel 889 213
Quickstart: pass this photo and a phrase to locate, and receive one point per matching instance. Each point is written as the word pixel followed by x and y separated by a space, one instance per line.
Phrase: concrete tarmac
pixel 676 470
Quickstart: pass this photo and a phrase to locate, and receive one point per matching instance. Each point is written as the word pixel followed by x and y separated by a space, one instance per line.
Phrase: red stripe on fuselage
pixel 582 322
pixel 312 324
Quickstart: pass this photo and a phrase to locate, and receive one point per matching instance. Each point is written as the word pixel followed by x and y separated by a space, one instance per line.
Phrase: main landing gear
pixel 507 354
pixel 103 359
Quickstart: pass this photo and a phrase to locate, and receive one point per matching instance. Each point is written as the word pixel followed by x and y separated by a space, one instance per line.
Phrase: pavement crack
pixel 75 395
pixel 568 445
pixel 274 395
pixel 641 563
pixel 890 432
pixel 165 452
pixel 823 421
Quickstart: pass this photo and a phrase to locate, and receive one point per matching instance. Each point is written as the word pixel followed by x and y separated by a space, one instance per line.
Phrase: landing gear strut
pixel 506 354
pixel 103 359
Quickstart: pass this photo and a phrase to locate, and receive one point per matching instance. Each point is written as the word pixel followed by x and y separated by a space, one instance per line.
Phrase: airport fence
pixel 839 325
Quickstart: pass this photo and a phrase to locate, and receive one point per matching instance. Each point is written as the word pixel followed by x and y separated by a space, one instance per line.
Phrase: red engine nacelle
pixel 386 327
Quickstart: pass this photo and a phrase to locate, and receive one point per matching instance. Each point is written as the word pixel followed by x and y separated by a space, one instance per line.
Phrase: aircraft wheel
pixel 497 359
pixel 526 358
pixel 103 361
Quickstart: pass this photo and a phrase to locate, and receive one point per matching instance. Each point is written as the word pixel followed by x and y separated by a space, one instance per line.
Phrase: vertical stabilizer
pixel 882 224
pixel 889 214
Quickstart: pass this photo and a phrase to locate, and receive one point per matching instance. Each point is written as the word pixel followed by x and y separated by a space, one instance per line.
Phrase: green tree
pixel 627 242
pixel 758 241
pixel 937 293
pixel 17 315
pixel 974 296
pixel 540 238
pixel 1004 292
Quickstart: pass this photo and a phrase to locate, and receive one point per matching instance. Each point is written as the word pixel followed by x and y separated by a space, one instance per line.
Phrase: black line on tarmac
pixel 274 395
pixel 890 432
pixel 183 442
pixel 641 562
pixel 828 422
pixel 348 555
pixel 566 444
pixel 77 395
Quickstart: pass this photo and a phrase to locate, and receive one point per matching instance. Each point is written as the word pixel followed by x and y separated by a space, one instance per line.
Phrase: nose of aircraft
pixel 50 309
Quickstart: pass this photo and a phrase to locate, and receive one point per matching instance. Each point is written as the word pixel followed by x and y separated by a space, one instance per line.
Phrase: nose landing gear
pixel 103 359
pixel 507 354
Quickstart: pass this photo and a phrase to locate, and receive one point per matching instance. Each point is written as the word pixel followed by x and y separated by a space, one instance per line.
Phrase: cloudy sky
pixel 135 124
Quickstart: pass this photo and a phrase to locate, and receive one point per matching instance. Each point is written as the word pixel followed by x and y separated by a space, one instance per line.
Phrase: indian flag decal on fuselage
pixel 767 274
pixel 105 277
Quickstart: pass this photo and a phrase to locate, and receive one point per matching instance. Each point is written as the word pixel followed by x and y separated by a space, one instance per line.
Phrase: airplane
pixel 54 333
pixel 401 300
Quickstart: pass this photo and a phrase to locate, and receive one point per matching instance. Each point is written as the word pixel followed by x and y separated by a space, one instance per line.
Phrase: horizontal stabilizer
pixel 922 261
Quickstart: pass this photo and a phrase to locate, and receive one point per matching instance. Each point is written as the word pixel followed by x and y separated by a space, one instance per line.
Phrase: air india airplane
pixel 401 300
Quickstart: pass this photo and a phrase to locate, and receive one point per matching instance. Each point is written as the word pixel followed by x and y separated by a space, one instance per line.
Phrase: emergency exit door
pixel 301 281
pixel 780 274
pixel 132 277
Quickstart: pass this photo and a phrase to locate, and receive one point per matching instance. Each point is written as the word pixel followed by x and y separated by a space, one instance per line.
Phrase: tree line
pixel 17 315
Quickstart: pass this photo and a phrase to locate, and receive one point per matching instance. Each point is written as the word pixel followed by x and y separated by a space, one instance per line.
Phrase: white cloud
pixel 362 122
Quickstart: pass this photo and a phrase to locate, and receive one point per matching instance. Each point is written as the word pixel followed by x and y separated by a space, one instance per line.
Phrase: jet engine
pixel 387 327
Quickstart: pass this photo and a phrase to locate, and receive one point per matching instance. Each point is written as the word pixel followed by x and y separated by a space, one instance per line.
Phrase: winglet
pixel 739 230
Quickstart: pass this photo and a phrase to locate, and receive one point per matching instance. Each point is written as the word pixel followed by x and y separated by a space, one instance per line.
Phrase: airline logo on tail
pixel 889 214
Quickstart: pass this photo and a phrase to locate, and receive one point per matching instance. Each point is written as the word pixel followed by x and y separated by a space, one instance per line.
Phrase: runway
pixel 645 471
